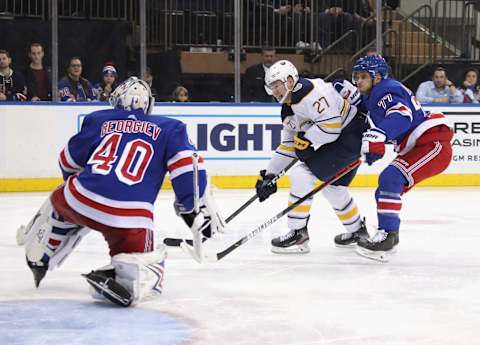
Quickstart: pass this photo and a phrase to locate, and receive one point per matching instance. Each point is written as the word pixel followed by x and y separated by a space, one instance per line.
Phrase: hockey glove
pixel 264 187
pixel 203 221
pixel 373 145
pixel 199 222
pixel 303 147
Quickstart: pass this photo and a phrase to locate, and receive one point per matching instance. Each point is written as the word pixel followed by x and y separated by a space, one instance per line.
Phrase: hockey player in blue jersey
pixel 421 139
pixel 113 170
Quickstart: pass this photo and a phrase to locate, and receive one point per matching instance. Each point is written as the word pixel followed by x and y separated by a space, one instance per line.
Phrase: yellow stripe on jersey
pixel 346 107
pixel 301 208
pixel 353 212
pixel 286 148
pixel 331 125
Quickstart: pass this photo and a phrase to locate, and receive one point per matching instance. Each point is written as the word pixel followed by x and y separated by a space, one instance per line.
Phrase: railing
pixel 339 73
pixel 367 28
pixel 333 57
pixel 75 9
pixel 16 8
pixel 442 31
pixel 339 42
pixel 391 50
pixel 283 24
pixel 416 46
pixel 456 29
pixel 448 33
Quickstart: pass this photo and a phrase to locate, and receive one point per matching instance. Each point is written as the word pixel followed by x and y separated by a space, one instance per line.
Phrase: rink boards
pixel 237 141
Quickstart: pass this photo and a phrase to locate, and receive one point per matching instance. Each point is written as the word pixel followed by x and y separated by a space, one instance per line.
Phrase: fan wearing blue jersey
pixel 421 139
pixel 113 170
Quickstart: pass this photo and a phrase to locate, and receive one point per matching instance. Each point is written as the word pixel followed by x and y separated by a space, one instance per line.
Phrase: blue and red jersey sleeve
pixel 74 156
pixel 180 166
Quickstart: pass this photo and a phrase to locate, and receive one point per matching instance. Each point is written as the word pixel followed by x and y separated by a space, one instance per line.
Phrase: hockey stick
pixel 218 256
pixel 175 242
pixel 196 250
pixel 254 197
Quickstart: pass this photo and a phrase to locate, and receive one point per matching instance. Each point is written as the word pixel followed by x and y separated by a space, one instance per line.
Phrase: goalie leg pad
pixel 47 234
pixel 48 240
pixel 141 274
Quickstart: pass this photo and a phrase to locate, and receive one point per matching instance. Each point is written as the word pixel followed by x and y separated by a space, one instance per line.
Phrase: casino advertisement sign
pixel 465 122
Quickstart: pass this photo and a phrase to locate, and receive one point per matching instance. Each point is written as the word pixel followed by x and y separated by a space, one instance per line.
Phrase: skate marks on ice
pixel 56 321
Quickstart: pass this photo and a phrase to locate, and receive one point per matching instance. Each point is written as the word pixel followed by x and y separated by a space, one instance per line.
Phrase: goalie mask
pixel 281 70
pixel 133 94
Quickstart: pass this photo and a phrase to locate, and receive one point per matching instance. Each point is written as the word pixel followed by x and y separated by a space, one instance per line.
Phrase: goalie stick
pixel 259 229
pixel 195 249
pixel 175 242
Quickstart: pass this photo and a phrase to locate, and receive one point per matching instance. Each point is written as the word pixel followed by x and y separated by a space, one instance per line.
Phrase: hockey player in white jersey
pixel 324 131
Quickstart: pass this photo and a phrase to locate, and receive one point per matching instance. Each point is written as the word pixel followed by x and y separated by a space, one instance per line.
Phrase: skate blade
pixel 304 249
pixel 380 256
pixel 346 246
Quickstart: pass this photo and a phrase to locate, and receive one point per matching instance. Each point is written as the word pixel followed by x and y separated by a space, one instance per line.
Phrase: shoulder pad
pixel 388 86
pixel 303 87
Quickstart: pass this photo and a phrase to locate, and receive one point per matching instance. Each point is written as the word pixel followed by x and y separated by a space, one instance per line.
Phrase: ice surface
pixel 429 292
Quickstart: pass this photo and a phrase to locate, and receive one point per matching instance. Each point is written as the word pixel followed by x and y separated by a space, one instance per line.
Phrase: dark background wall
pixel 95 42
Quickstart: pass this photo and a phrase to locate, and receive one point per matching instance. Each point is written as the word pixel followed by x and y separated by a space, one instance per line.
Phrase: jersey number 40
pixel 133 162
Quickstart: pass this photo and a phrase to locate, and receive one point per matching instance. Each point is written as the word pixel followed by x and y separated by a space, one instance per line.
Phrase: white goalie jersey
pixel 317 109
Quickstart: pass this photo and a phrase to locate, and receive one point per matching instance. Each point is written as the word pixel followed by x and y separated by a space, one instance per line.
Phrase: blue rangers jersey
pixel 393 108
pixel 83 95
pixel 114 167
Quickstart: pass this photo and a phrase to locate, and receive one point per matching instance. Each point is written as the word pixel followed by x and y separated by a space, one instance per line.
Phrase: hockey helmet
pixel 373 64
pixel 132 94
pixel 280 70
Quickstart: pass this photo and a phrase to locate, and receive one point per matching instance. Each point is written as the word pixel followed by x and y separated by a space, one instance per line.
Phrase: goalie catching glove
pixel 207 221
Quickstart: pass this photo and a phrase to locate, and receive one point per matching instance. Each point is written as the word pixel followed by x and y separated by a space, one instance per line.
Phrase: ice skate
pixel 293 242
pixel 349 239
pixel 377 247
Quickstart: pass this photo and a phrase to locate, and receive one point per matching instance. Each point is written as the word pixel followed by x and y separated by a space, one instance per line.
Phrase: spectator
pixel 371 51
pixel 37 77
pixel 300 26
pixel 364 21
pixel 108 83
pixel 149 79
pixel 73 87
pixel 439 90
pixel 180 94
pixel 470 88
pixel 335 19
pixel 255 78
pixel 12 83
